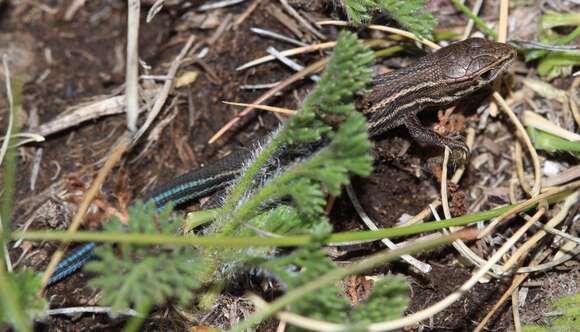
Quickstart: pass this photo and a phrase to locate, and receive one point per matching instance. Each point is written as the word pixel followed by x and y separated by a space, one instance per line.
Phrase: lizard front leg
pixel 427 136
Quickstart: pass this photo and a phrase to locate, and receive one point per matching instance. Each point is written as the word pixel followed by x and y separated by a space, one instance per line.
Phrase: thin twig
pixel 243 16
pixel 88 112
pixel 386 29
pixel 470 23
pixel 277 36
pixel 290 52
pixel 164 93
pixel 300 19
pixel 521 132
pixel 263 107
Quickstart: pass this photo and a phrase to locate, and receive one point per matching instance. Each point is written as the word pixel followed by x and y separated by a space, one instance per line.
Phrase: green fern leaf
pixel 28 285
pixel 150 275
pixel 410 14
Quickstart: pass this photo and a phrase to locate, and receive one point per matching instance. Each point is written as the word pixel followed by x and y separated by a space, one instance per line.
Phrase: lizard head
pixel 474 62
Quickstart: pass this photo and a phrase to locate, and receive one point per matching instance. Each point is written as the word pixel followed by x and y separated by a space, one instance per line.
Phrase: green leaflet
pixel 411 14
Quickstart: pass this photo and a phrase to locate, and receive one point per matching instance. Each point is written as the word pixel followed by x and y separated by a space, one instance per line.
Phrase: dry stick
pixel 503 21
pixel 132 73
pixel 287 82
pixel 219 4
pixel 119 149
pixel 73 311
pixel 72 9
pixel 295 319
pixel 535 120
pixel 154 10
pixel 290 63
pixel 520 172
pixel 164 93
pixel 277 36
pixel 301 50
pixel 86 112
pixel 516 312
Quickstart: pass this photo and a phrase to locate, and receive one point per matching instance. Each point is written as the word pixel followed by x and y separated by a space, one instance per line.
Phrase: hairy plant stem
pixel 246 179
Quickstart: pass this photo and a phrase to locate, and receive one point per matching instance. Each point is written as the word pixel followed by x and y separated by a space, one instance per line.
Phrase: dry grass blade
pixel 521 132
pixel 399 32
pixel 263 107
pixel 318 65
pixel 290 52
pixel 451 298
pixel 243 16
pixel 300 19
pixel 537 121
pixel 516 282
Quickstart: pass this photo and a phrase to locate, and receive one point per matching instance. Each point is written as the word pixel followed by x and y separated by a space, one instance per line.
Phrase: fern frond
pixel 150 275
pixel 410 14
pixel 28 285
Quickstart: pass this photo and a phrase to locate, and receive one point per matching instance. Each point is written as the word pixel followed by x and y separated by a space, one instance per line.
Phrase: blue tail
pixel 192 185
pixel 73 262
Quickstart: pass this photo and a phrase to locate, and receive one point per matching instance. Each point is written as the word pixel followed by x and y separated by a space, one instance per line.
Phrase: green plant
pixel 552 64
pixel 552 143
pixel 289 201
pixel 144 275
pixel 27 283
pixel 19 299
pixel 388 298
pixel 568 319
pixel 410 14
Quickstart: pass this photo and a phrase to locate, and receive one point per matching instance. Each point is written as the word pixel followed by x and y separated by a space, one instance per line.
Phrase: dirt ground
pixel 68 61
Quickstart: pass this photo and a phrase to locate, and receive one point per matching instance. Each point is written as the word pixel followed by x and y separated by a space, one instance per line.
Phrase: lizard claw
pixel 460 153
